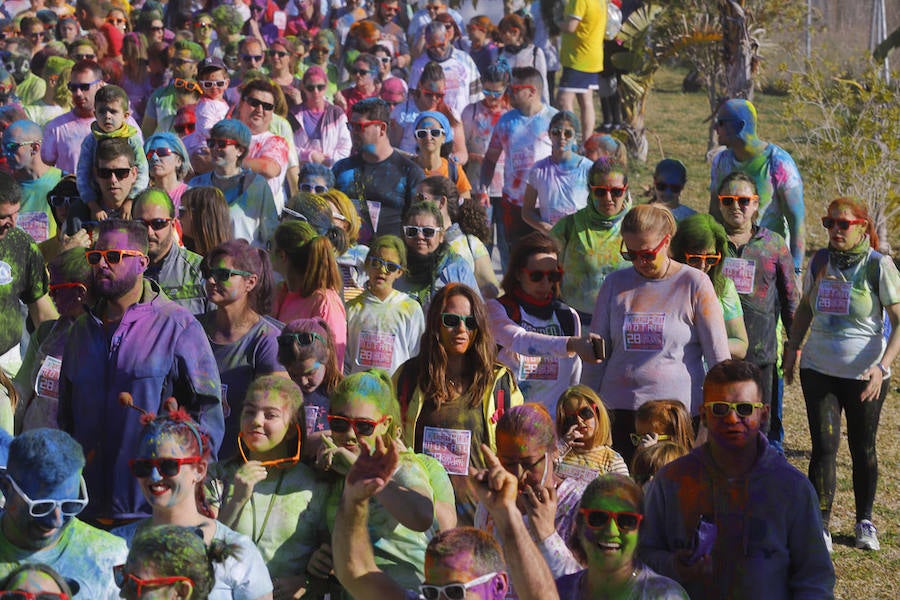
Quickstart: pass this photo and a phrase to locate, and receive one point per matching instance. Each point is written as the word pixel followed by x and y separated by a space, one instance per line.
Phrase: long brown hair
pixel 860 211
pixel 210 219
pixel 480 357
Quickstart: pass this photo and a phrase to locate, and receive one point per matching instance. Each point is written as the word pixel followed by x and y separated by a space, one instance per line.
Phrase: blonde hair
pixel 602 432
pixel 645 218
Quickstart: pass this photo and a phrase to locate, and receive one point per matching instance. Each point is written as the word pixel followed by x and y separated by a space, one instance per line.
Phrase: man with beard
pixel 22 277
pixel 133 340
pixel 463 78
pixel 64 134
pixel 175 268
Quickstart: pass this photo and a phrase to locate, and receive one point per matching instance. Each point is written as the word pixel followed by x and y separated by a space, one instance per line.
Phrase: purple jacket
pixel 157 350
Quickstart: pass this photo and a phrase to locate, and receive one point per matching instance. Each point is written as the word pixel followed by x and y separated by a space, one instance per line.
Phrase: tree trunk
pixel 738 50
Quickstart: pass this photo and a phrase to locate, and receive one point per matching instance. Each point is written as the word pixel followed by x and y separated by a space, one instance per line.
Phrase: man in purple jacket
pixel 138 341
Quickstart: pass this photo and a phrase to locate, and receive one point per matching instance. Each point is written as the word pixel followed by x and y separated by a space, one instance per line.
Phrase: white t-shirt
pixel 561 190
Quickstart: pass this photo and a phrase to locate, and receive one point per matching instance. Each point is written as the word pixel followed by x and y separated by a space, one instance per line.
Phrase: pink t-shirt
pixel 324 304
pixel 275 147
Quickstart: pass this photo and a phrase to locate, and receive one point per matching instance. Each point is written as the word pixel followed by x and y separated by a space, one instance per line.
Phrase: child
pixel 384 326
pixel 111 109
pixel 650 459
pixel 663 420
pixel 266 492
pixel 212 107
pixel 306 349
pixel 582 425
pixel 669 179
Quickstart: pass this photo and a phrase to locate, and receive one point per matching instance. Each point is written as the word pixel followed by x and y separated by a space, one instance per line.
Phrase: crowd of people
pixel 255 344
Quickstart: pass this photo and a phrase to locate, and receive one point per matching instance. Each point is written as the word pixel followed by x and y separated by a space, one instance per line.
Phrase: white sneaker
pixel 867 536
pixel 828 544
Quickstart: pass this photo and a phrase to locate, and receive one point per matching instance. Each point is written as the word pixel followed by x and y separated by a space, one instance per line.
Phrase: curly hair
pixel 479 359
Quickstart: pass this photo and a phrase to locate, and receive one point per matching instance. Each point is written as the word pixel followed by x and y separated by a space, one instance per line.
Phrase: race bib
pixel 538 368
pixel 570 471
pixel 451 447
pixel 36 224
pixel 643 332
pixel 374 212
pixel 47 383
pixel 833 297
pixel 742 272
pixel 376 349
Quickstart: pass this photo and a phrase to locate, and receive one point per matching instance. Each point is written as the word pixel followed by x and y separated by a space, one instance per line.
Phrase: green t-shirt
pixel 35 215
pixel 23 276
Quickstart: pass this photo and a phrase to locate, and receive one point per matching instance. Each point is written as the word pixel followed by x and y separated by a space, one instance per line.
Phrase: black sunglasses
pixel 256 103
pixel 302 338
pixel 221 274
pixel 104 173
pixel 362 427
pixel 553 276
pixel 155 224
pixel 167 467
pixel 452 321
pixel 314 87
pixel 585 413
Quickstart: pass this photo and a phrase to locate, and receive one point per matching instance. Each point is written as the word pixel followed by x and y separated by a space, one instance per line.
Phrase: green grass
pixel 676 129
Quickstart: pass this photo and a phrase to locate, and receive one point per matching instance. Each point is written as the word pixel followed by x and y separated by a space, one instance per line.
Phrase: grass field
pixel 676 129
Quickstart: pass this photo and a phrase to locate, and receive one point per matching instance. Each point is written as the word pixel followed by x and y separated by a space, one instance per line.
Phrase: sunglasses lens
pixel 720 409
pixel 744 409
pixel 554 276
pixel 598 518
pixel 451 321
pixel 586 413
pixel 365 428
pixel 627 522
pixel 536 276
pixel 141 468
pixel 455 592
pixel 471 323
pixel 429 592
pixel 168 467
pixel 338 424
pixel 42 508
pixel 71 508
pixel 113 257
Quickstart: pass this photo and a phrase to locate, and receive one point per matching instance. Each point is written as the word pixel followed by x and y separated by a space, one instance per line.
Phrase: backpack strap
pixel 873 270
pixel 452 170
pixel 566 320
pixel 513 311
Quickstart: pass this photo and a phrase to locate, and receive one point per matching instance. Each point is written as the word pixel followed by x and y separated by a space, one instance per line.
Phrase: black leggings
pixel 825 397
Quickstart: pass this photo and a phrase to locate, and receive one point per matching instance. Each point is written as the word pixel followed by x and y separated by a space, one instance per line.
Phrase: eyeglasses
pixel 743 201
pixel 702 260
pixel 494 93
pixel 287 213
pixel 257 103
pixel 357 126
pixel 277 53
pixel 45 506
pixel 515 88
pixel 208 85
pixel 79 57
pixel 614 192
pixel 315 87
pixel 221 274
pixel 133 586
pixel 19 595
pixel 112 257
pixel 360 72
pixel 743 409
pixel 413 231
pixel 156 224
pixel 123 173
pixel 432 95
pixel 675 188
pixel 203 25
pixel 301 338
pixel 637 439
pixel 376 262
pixel 187 84
pixel 585 413
pixel 519 467
pixel 251 57
pixel 595 518
pixel 184 128
pixel 843 224
pixel 82 87
pixel 361 427
pixel 644 255
pixel 56 288
pixel 452 321
pixel 566 134
pixel 60 201
pixel 13 147
pixel 116 21
pixel 156 28
pixel 553 276
pixel 385 60
pixel 429 133
pixel 453 591
pixel 278 462
pixel 221 143
pixel 166 467
pixel 161 152
pixel 310 188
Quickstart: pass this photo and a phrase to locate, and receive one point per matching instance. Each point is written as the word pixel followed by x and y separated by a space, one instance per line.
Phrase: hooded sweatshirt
pixel 769 540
